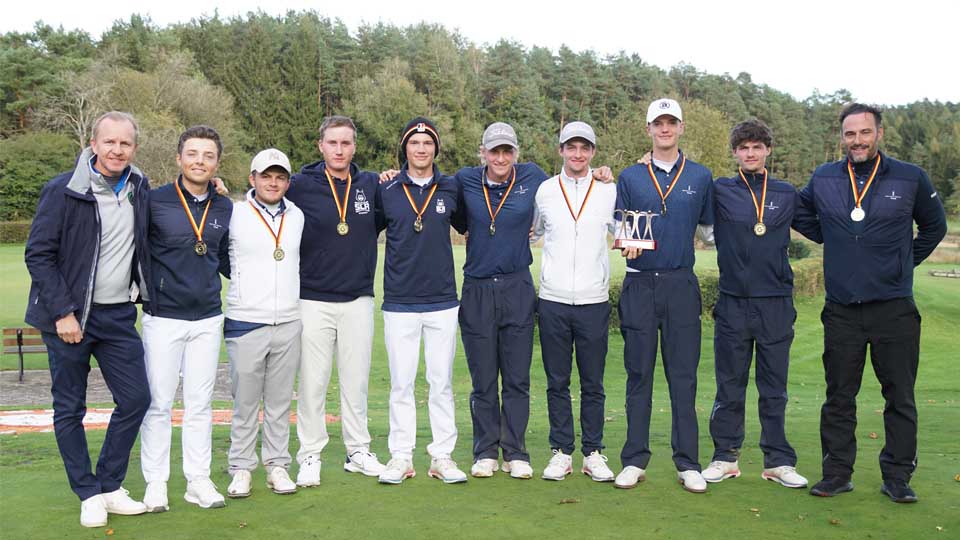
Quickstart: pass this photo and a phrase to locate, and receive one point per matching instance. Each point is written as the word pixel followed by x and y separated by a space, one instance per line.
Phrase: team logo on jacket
pixel 689 190
pixel 441 208
pixel 215 225
pixel 771 206
pixel 893 196
pixel 361 205
pixel 521 190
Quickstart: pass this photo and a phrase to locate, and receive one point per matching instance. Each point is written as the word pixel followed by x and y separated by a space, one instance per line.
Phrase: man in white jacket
pixel 574 213
pixel 262 326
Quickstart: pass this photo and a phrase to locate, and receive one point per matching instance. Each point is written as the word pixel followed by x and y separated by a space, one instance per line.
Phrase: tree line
pixel 266 80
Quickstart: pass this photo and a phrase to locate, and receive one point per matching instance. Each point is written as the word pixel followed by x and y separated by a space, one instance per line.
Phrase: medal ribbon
pixel 341 209
pixel 763 197
pixel 425 203
pixel 583 205
pixel 283 216
pixel 486 196
pixel 656 184
pixel 193 223
pixel 858 197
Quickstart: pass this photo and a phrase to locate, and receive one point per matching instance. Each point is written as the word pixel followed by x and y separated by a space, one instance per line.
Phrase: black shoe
pixel 898 490
pixel 831 485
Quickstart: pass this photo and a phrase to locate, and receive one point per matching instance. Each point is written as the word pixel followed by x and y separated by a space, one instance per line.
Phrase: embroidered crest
pixel 361 205
pixel 892 196
pixel 689 190
pixel 441 208
pixel 215 225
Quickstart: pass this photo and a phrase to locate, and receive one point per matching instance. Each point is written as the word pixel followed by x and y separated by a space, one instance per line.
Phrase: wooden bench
pixel 22 341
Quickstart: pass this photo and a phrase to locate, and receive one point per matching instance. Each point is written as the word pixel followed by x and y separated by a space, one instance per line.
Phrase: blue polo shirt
pixel 418 268
pixel 508 250
pixel 751 265
pixel 335 268
pixel 689 204
pixel 872 259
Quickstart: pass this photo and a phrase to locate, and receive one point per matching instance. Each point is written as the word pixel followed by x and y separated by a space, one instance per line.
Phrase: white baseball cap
pixel 580 130
pixel 664 106
pixel 499 134
pixel 269 158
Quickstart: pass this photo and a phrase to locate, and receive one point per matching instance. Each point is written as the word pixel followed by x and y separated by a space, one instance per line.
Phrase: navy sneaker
pixel 898 490
pixel 831 485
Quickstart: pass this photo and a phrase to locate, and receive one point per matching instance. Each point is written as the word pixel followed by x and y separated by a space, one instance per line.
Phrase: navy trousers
pixel 667 303
pixel 496 326
pixel 892 329
pixel 563 327
pixel 740 325
pixel 110 336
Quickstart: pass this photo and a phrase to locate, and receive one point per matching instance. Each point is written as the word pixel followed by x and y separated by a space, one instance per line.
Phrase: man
pixel 498 300
pixel 420 298
pixel 338 259
pixel 262 325
pixel 754 310
pixel 182 321
pixel 573 214
pixel 661 295
pixel 86 250
pixel 866 204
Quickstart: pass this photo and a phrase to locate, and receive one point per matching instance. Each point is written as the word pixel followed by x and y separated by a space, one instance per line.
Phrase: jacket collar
pixel 83 174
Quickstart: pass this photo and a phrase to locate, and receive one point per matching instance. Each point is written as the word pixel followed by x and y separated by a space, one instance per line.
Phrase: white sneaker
pixel 595 466
pixel 719 471
pixel 203 493
pixel 784 475
pixel 485 467
pixel 93 512
pixel 629 477
pixel 119 502
pixel 364 462
pixel 518 468
pixel 397 470
pixel 240 485
pixel 309 473
pixel 155 497
pixel 445 469
pixel 279 481
pixel 692 481
pixel 559 467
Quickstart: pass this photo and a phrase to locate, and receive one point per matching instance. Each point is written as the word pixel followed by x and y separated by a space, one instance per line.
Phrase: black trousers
pixel 562 327
pixel 496 326
pixel 892 330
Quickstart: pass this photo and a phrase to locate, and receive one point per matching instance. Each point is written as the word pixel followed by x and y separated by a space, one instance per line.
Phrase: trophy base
pixel 624 243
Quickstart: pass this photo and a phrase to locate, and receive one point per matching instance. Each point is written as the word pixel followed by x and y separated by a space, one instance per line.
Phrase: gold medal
pixel 759 229
pixel 486 197
pixel 418 225
pixel 200 248
pixel 278 254
pixel 278 251
pixel 343 228
pixel 656 184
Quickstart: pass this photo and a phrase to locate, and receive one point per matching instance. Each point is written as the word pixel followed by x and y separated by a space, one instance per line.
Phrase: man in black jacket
pixel 85 255
pixel 867 204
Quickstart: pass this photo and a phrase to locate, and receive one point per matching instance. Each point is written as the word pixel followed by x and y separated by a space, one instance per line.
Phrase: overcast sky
pixel 885 52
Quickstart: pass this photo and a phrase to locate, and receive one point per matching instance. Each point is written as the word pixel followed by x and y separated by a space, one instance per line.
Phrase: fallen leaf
pixel 243 524
pixel 801 517
pixel 957 478
pixel 108 532
pixel 931 401
pixel 873 435
pixel 754 510
pixel 939 528
pixel 569 501
pixel 834 521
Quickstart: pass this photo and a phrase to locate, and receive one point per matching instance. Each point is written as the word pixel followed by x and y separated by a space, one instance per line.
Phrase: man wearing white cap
pixel 660 297
pixel 262 326
pixel 574 213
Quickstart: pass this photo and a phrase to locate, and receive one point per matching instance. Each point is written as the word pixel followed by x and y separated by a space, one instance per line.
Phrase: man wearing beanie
pixel 262 325
pixel 574 213
pixel 420 298
pixel 338 259
pixel 660 297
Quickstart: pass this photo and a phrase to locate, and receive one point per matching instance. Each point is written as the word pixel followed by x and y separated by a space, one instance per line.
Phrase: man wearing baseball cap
pixel 338 258
pixel 420 298
pixel 182 322
pixel 262 325
pixel 574 213
pixel 660 297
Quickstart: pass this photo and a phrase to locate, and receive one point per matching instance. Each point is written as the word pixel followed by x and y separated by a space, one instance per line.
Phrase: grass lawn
pixel 33 484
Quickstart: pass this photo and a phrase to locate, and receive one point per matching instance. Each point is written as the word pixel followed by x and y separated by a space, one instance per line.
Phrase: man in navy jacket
pixel 183 320
pixel 87 254
pixel 867 204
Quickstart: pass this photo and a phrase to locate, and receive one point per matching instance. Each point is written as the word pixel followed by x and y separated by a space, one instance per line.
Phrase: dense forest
pixel 267 81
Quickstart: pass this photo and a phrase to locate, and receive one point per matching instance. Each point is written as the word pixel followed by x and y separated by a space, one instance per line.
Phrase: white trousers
pixel 175 349
pixel 341 331
pixel 402 333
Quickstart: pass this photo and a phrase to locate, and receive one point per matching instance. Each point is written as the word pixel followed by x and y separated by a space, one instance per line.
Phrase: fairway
pixel 36 502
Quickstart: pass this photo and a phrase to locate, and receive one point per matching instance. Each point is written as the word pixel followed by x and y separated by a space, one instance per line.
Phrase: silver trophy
pixel 630 236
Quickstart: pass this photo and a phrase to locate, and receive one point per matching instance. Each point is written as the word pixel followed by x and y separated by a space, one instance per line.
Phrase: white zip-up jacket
pixel 263 289
pixel 574 264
